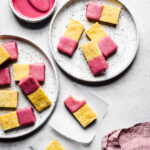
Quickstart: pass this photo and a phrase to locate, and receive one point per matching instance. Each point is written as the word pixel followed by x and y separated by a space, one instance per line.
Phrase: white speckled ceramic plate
pixel 30 53
pixel 124 34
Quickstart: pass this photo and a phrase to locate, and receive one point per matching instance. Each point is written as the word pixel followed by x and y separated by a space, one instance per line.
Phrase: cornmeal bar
pixel 104 41
pixel 21 117
pixel 55 145
pixel 104 13
pixel 5 76
pixel 80 109
pixel 94 57
pixel 8 99
pixel 37 70
pixel 34 92
pixel 69 42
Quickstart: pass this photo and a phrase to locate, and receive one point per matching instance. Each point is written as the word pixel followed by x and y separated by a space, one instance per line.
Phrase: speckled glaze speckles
pixel 124 34
pixel 30 53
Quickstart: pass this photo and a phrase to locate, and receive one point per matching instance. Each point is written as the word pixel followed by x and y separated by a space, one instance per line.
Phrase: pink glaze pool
pixel 25 8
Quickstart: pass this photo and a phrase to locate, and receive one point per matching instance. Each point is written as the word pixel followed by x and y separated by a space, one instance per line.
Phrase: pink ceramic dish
pixel 30 11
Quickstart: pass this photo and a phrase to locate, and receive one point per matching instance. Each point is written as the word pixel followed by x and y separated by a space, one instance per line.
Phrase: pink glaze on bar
pixel 107 46
pixel 41 5
pixel 67 45
pixel 73 105
pixel 37 70
pixel 98 65
pixel 29 85
pixel 12 49
pixel 5 76
pixel 94 10
pixel 26 9
pixel 26 116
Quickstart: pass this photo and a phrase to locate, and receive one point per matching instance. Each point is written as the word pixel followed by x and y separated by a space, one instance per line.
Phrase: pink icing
pixel 26 116
pixel 41 5
pixel 73 105
pixel 94 10
pixel 4 76
pixel 67 45
pixel 134 138
pixel 26 9
pixel 37 70
pixel 12 49
pixel 97 65
pixel 107 46
pixel 29 85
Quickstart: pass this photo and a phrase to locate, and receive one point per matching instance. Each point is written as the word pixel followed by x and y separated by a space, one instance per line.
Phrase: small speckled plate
pixel 31 53
pixel 124 34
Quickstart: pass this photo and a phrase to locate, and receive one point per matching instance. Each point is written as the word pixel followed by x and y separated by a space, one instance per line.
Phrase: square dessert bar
pixel 12 49
pixel 34 92
pixel 82 112
pixel 20 71
pixel 69 42
pixel 5 76
pixel 110 14
pixel 21 117
pixel 8 99
pixel 26 116
pixel 29 85
pixel 74 30
pixel 23 70
pixel 94 11
pixel 55 145
pixel 37 70
pixel 9 121
pixel 94 57
pixel 39 99
pixel 95 32
pixel 107 46
pixel 85 115
pixel 4 55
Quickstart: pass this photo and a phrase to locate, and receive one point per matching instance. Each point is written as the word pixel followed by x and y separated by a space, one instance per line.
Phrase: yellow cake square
pixel 110 14
pixel 85 115
pixel 8 99
pixel 4 55
pixel 95 32
pixel 74 30
pixel 9 121
pixel 20 71
pixel 91 50
pixel 55 145
pixel 39 99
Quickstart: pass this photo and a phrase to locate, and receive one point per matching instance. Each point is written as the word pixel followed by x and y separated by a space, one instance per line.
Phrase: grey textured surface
pixel 128 95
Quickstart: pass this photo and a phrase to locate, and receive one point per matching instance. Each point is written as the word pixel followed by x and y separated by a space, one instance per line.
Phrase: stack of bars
pixel 69 42
pixel 21 117
pixel 80 110
pixel 8 51
pixel 55 145
pixel 31 87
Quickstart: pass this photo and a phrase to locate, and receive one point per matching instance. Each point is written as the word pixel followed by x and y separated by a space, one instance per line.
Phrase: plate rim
pixel 92 81
pixel 4 36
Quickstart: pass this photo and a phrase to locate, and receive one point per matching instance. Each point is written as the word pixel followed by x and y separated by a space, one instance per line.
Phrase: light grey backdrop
pixel 128 95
